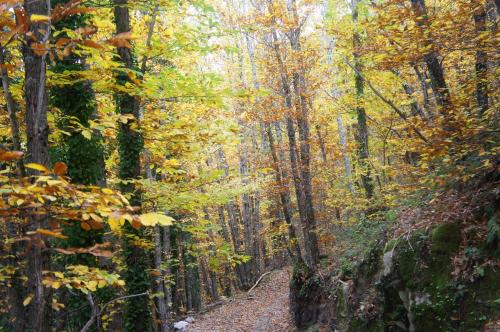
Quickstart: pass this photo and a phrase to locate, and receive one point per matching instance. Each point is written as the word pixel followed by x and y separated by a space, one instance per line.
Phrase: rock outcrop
pixel 409 283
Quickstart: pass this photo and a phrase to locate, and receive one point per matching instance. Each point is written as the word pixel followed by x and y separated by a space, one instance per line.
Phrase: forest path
pixel 264 309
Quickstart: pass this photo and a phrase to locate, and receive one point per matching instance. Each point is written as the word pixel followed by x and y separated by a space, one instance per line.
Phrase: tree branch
pixel 385 100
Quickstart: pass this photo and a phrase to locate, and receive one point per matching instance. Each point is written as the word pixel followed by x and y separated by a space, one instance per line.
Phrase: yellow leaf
pixel 151 219
pixel 114 221
pixel 50 233
pixel 27 300
pixel 38 167
pixel 101 284
pixel 92 285
pixel 39 18
pixel 107 191
pixel 87 134
pixel 56 285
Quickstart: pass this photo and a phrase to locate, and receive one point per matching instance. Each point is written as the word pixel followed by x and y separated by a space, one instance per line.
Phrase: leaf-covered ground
pixel 264 309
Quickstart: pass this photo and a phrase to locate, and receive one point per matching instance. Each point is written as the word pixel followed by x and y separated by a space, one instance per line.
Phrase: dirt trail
pixel 265 309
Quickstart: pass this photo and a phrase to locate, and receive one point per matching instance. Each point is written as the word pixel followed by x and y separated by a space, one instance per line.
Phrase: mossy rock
pixel 407 257
pixel 446 239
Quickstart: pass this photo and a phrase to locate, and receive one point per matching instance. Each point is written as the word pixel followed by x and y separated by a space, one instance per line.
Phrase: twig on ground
pixel 257 283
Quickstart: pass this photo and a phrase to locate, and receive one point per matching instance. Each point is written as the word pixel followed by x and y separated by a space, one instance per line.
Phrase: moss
pixel 446 239
pixel 372 262
pixel 341 303
pixel 481 302
pixel 407 258
pixel 360 325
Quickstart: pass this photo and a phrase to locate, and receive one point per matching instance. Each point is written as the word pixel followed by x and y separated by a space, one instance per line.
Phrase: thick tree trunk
pixel 130 145
pixel 37 129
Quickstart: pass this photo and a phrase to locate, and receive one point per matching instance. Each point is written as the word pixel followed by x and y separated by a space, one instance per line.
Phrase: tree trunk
pixel 362 128
pixel 11 110
pixel 159 286
pixel 481 62
pixel 130 145
pixel 309 243
pixel 191 275
pixel 37 129
pixel 347 157
pixel 431 58
pixel 300 89
pixel 233 222
pixel 211 280
pixel 425 90
pixel 225 236
pixel 167 272
pixel 284 198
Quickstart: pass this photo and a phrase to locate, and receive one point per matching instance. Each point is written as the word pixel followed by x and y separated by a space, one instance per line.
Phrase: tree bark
pixel 130 145
pixel 159 285
pixel 347 157
pixel 309 237
pixel 362 128
pixel 284 195
pixel 233 223
pixel 431 58
pixel 481 62
pixel 299 85
pixel 11 110
pixel 37 130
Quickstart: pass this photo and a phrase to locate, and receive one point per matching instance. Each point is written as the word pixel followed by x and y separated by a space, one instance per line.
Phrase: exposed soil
pixel 264 309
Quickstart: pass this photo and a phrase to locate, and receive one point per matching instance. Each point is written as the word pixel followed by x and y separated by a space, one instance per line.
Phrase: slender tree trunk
pixel 167 272
pixel 481 62
pixel 233 222
pixel 300 89
pixel 191 275
pixel 225 236
pixel 211 280
pixel 15 292
pixel 159 286
pixel 11 110
pixel 284 198
pixel 425 90
pixel 431 58
pixel 347 157
pixel 309 237
pixel 362 128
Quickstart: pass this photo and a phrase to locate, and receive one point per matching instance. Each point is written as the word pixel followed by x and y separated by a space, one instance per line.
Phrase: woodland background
pixel 158 156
